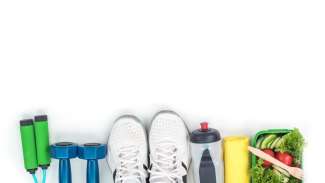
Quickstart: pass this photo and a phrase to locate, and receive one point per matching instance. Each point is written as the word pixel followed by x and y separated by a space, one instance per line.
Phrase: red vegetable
pixel 284 157
pixel 267 164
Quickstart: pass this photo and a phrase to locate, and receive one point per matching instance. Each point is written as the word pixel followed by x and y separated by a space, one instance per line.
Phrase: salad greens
pixel 284 147
pixel 293 143
pixel 265 175
pixel 294 180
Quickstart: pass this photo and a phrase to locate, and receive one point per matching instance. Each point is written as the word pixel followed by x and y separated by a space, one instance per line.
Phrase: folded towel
pixel 236 158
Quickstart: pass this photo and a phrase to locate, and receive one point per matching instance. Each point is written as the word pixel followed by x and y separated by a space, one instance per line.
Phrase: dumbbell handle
pixel 92 171
pixel 64 171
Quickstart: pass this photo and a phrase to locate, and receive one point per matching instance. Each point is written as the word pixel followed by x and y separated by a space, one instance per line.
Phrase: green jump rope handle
pixel 28 143
pixel 42 141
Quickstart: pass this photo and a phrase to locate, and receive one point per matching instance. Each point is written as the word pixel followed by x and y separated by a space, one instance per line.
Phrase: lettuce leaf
pixel 263 175
pixel 266 175
pixel 293 143
pixel 294 180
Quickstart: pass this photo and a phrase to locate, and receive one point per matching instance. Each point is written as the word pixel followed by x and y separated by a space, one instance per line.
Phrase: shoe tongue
pixel 163 180
pixel 181 172
pixel 168 165
pixel 130 181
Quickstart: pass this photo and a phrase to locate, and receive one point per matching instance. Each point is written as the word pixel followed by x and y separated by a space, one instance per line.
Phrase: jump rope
pixel 38 152
pixel 35 143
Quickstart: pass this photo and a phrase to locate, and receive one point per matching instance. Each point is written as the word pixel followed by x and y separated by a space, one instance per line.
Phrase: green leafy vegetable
pixel 257 172
pixel 263 175
pixel 293 143
pixel 294 180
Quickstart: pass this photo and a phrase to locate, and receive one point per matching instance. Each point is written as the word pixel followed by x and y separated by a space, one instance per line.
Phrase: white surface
pixel 242 65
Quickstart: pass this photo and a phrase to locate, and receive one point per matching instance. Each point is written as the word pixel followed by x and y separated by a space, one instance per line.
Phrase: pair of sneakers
pixel 167 146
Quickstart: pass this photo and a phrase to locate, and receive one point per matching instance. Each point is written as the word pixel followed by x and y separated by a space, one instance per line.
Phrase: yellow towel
pixel 236 158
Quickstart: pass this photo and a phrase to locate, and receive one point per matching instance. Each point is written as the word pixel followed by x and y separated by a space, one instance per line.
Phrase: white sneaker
pixel 128 151
pixel 169 148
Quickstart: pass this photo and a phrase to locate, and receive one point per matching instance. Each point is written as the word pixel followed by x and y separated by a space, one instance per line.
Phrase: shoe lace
pixel 129 168
pixel 165 166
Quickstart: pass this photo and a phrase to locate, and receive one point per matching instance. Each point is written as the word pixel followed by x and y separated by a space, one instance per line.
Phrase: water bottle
pixel 207 155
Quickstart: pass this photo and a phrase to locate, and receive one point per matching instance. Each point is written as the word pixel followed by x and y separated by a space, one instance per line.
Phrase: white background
pixel 242 65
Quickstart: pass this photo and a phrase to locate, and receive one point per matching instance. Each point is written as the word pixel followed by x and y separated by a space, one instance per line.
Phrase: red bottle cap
pixel 204 126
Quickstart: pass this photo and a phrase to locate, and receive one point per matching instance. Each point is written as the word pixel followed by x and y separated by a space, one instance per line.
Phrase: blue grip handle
pixel 92 171
pixel 92 152
pixel 64 171
pixel 64 151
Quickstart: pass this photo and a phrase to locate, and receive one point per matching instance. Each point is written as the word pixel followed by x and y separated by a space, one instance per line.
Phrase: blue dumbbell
pixel 64 151
pixel 92 152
